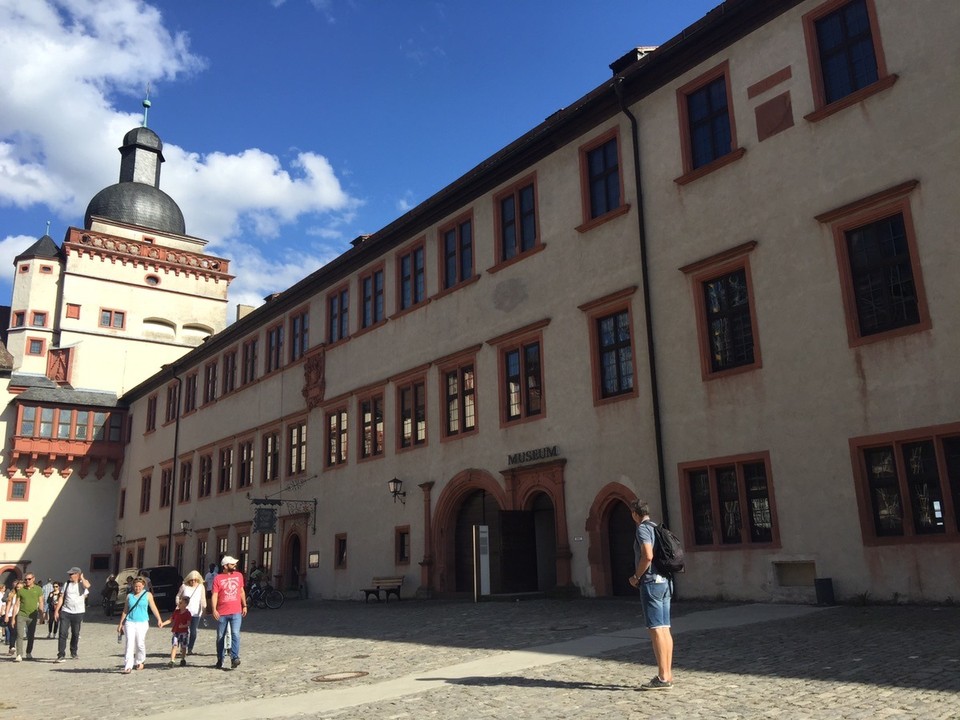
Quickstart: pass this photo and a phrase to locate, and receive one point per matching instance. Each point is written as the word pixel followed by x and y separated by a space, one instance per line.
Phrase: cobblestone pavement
pixel 871 662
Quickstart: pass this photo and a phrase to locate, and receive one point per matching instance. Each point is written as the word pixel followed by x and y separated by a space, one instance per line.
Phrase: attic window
pixel 46 269
pixel 24 268
pixel 152 280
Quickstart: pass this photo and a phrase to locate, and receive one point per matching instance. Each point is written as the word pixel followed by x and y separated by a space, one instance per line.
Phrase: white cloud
pixel 59 130
pixel 406 202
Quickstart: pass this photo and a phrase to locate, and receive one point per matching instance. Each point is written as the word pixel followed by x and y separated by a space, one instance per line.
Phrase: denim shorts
pixel 655 599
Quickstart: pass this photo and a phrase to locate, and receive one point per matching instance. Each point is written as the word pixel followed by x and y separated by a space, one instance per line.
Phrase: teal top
pixel 140 613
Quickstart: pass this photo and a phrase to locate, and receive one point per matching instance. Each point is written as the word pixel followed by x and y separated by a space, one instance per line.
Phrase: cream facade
pixel 721 281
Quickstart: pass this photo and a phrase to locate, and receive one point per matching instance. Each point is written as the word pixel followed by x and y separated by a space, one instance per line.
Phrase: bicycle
pixel 266 596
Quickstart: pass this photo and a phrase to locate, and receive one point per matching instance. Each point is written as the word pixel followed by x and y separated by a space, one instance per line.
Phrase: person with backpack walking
pixel 654 585
pixel 69 611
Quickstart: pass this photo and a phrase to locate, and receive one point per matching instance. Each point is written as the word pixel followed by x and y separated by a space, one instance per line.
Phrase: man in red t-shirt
pixel 229 607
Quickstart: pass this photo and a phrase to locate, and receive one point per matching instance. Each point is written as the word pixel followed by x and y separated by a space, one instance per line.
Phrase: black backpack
pixel 667 551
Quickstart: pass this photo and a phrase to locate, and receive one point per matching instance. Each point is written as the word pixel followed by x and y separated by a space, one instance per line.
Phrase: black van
pixel 165 581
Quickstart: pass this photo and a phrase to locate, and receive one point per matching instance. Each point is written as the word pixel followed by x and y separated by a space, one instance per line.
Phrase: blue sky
pixel 289 126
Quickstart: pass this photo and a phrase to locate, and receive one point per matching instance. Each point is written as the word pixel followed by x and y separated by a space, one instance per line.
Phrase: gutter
pixel 647 313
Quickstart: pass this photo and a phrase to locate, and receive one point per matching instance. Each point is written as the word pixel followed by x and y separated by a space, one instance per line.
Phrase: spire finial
pixel 48 227
pixel 146 106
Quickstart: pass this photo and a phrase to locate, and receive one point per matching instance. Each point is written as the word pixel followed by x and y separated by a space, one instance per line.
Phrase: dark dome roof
pixel 144 137
pixel 136 203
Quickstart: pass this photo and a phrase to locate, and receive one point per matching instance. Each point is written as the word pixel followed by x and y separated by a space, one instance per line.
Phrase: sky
pixel 289 127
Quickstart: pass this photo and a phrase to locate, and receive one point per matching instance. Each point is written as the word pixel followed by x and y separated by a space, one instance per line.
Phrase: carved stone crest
pixel 314 384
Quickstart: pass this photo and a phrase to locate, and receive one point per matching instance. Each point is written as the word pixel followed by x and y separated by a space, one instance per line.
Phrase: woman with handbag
pixel 134 623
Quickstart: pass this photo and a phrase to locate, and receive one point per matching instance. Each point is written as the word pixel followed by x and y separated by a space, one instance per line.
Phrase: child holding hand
pixel 180 626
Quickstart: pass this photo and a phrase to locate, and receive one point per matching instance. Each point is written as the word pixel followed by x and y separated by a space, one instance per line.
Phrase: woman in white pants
pixel 134 623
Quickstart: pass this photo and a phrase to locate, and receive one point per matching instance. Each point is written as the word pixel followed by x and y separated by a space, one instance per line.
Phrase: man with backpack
pixel 654 585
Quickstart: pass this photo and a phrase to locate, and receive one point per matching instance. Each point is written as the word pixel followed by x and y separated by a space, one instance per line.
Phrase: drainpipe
pixel 176 450
pixel 647 314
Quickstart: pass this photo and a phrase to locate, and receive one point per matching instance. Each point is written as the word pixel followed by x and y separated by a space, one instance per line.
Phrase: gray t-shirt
pixel 646 536
pixel 73 595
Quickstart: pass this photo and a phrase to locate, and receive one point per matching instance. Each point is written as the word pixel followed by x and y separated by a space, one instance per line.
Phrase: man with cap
pixel 69 611
pixel 229 603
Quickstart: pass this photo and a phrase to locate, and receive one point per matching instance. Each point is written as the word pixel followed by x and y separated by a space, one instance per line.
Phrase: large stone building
pixel 722 280
pixel 90 319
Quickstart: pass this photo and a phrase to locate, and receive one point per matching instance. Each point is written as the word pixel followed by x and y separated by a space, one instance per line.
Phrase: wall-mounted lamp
pixel 118 539
pixel 396 489
pixel 185 527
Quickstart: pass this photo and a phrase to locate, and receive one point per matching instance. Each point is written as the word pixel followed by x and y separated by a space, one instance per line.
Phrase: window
pixel 123 504
pixel 24 268
pixel 145 493
pixel 845 55
pixel 245 478
pixel 114 319
pixel 880 279
pixel 140 555
pixel 371 430
pixel 66 424
pixel 222 545
pixel 274 348
pixel 411 279
pixel 225 476
pixel 299 335
pixel 243 550
pixel 338 315
pixel 726 325
pixel 38 319
pixel 186 481
pixel 271 457
pixel 35 346
pixel 601 180
pixel 190 393
pixel 521 373
pixel 456 244
pixel 15 531
pixel 229 372
pixel 178 557
pixel 340 551
pixel 908 485
pixel 173 401
pixel 73 311
pixel 459 398
pixel 166 487
pixel 297 447
pixel 46 269
pixel 151 413
pixel 412 411
pixel 19 319
pixel 708 133
pixel 516 220
pixel 163 553
pixel 336 437
pixel 249 370
pixel 266 551
pixel 201 552
pixel 401 544
pixel 371 288
pixel 18 490
pixel 205 476
pixel 729 501
pixel 210 383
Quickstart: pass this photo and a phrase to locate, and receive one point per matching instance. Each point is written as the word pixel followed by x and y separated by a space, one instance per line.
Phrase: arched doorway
pixel 621 531
pixel 293 563
pixel 9 575
pixel 545 534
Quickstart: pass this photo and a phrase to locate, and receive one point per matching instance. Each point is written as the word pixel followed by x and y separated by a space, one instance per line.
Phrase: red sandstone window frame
pixel 415 385
pixel 936 434
pixel 401 545
pixel 337 430
pixel 586 204
pixel 711 465
pixel 375 318
pixel 205 475
pixel 112 316
pixel 146 479
pixel 226 459
pixel 690 173
pixel 273 359
pixel 338 319
pixel 271 466
pixel 884 79
pixel 299 321
pixel 8 525
pixel 249 361
pixel 190 383
pixel 246 462
pixel 374 397
pixel 706 270
pixel 296 437
pixel 151 414
pixel 31 343
pixel 860 213
pixel 513 191
pixel 39 318
pixel 185 482
pixel 415 301
pixel 457 363
pixel 210 382
pixel 462 277
pixel 19 319
pixel 12 482
pixel 596 310
pixel 518 340
pixel 167 482
pixel 228 380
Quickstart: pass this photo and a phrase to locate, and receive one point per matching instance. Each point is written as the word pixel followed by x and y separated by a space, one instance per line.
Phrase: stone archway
pixel 598 532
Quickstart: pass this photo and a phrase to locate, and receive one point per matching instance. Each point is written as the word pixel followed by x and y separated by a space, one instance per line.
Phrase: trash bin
pixel 824 588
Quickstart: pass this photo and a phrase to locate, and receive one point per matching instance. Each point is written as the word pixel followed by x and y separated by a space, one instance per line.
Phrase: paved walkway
pixel 538 659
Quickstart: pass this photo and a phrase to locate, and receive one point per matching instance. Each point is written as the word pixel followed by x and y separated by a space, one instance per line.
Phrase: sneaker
pixel 183 662
pixel 170 664
pixel 74 657
pixel 219 665
pixel 657 684
pixel 49 635
pixel 18 659
pixel 60 659
pixel 235 662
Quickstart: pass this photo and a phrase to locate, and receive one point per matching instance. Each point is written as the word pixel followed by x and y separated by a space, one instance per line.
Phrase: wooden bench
pixel 387 585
